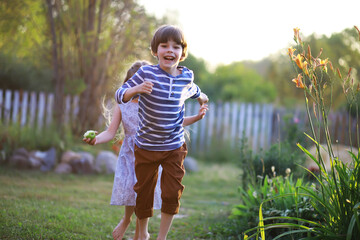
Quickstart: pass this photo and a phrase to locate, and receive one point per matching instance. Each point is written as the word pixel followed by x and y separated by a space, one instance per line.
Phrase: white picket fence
pixel 229 122
pixel 224 122
pixel 261 124
pixel 33 109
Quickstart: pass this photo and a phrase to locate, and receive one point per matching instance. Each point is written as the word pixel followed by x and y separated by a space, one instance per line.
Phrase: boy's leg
pixel 171 188
pixel 165 224
pixel 171 177
pixel 146 170
pixel 143 229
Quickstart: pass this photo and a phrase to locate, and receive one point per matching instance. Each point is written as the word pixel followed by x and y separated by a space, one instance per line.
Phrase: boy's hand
pixel 203 98
pixel 145 87
pixel 202 111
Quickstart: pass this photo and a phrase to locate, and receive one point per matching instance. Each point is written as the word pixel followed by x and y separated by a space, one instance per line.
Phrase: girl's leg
pixel 120 229
pixel 136 235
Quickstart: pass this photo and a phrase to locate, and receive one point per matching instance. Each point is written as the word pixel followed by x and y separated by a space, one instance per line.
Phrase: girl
pixel 125 179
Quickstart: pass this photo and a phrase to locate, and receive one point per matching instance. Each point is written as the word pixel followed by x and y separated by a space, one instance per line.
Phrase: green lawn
pixel 36 205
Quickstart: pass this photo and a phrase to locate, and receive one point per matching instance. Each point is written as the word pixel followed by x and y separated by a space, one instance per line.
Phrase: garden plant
pixel 336 198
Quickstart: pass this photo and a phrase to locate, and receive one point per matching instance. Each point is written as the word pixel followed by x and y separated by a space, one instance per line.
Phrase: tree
pixel 91 40
pixel 235 82
pixel 24 56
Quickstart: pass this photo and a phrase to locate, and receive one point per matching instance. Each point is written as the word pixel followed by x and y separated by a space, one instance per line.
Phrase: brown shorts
pixel 146 170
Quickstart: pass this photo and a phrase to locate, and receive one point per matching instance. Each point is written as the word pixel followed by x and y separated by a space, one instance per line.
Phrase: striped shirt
pixel 161 113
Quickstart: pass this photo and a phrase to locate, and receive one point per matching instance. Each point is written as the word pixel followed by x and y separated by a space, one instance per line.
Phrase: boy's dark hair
pixel 169 32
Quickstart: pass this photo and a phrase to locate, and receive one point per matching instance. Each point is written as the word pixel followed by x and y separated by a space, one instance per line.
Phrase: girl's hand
pixel 90 141
pixel 145 87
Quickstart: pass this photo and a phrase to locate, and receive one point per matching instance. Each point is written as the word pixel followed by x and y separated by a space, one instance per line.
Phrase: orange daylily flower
pixel 324 63
pixel 291 51
pixel 297 35
pixel 298 60
pixel 305 68
pixel 298 81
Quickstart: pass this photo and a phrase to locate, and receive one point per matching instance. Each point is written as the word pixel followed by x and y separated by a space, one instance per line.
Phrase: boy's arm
pixel 124 95
pixel 203 98
pixel 192 119
pixel 110 132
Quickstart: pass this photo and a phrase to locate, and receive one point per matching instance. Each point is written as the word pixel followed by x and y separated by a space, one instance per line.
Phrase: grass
pixel 37 205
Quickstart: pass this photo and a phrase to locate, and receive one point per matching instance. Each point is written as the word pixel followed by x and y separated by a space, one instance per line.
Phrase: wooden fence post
pixel 41 108
pixel 32 109
pixel 24 107
pixel 49 109
pixel 16 103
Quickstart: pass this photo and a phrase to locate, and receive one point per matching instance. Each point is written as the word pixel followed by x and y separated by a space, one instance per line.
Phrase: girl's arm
pixel 110 132
pixel 192 119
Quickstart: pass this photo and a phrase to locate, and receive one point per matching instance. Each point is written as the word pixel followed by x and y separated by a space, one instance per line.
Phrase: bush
pixel 13 137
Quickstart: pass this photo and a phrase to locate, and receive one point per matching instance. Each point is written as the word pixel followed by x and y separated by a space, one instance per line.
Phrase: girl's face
pixel 169 55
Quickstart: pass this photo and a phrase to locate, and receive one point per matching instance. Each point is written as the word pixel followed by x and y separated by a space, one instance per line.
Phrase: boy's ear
pixel 182 57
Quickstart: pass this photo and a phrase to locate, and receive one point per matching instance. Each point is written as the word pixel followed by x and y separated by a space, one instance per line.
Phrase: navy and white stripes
pixel 161 113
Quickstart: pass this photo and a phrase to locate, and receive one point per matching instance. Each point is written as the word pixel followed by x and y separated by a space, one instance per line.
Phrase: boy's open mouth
pixel 169 58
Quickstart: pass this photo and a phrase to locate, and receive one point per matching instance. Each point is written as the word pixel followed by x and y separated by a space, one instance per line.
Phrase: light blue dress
pixel 125 179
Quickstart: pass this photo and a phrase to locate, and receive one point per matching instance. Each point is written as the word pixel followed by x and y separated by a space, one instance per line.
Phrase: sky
pixel 224 31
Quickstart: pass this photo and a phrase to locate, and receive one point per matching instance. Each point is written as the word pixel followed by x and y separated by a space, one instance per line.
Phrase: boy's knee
pixel 170 208
pixel 144 213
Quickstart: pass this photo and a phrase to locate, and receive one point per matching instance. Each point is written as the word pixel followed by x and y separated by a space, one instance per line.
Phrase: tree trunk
pixel 57 62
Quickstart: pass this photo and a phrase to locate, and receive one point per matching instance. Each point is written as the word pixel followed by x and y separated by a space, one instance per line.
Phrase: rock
pixel 63 168
pixel 190 164
pixel 84 165
pixel 48 160
pixel 69 156
pixel 105 162
pixel 35 163
pixel 20 159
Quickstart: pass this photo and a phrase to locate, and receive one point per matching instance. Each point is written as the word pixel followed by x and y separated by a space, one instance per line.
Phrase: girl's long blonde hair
pixel 107 110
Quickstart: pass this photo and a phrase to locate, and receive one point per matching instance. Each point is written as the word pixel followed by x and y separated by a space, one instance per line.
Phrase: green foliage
pixel 218 152
pixel 18 73
pixel 353 107
pixel 236 82
pixel 13 137
pixel 281 156
pixel 269 191
pixel 198 66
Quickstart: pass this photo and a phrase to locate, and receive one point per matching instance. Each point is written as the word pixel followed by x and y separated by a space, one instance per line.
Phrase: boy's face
pixel 169 55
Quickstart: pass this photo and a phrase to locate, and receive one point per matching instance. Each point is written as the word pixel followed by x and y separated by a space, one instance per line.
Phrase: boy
pixel 159 140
